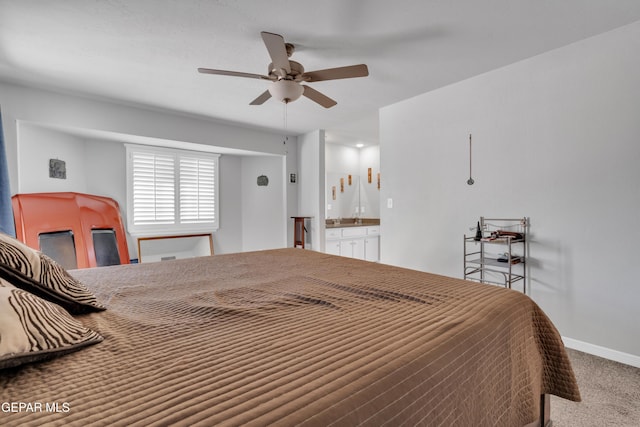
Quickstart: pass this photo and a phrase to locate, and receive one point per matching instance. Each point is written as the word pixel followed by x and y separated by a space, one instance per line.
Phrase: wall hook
pixel 470 181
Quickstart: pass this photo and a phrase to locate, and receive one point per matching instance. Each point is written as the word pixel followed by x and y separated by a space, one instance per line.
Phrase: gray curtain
pixel 6 212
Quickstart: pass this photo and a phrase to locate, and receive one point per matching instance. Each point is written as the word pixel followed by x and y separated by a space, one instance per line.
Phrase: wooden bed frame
pixel 545 413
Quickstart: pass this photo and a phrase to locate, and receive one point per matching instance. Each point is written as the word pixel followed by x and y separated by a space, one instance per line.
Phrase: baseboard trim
pixel 607 353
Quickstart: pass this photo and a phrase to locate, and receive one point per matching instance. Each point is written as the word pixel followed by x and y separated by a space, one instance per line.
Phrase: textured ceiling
pixel 147 51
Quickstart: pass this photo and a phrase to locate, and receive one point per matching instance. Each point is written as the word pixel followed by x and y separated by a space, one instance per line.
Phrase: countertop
pixel 350 222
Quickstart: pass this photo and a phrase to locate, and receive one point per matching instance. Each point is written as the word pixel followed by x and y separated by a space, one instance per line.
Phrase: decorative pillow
pixel 32 329
pixel 38 274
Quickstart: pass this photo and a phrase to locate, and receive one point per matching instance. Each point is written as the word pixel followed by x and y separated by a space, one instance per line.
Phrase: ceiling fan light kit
pixel 286 90
pixel 286 76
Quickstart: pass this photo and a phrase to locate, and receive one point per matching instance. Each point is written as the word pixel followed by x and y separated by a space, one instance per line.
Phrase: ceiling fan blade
pixel 261 99
pixel 348 72
pixel 277 51
pixel 233 73
pixel 318 97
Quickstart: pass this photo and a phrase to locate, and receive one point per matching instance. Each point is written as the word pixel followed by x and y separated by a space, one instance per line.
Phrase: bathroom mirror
pixel 361 199
pixel 350 196
pixel 342 195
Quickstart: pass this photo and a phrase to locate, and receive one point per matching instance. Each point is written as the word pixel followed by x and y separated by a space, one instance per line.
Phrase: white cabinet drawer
pixel 333 233
pixel 354 231
pixel 373 231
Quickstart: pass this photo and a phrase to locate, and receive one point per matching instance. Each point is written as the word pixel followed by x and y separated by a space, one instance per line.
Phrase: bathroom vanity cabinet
pixel 354 241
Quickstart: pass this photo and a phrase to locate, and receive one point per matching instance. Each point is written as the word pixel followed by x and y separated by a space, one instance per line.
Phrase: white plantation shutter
pixel 171 191
pixel 153 188
pixel 197 190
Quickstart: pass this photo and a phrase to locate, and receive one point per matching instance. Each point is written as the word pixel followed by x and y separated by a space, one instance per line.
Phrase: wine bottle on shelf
pixel 478 233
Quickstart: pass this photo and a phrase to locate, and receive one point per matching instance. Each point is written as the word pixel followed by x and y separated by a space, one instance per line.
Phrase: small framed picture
pixel 57 169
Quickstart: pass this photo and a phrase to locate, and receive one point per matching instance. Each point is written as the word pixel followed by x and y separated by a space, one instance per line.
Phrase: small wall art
pixel 57 169
pixel 369 175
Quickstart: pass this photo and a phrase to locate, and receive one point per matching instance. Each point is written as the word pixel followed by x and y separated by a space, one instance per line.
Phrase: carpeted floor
pixel 610 394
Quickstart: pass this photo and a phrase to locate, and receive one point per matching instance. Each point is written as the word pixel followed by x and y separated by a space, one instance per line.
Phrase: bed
pixel 295 337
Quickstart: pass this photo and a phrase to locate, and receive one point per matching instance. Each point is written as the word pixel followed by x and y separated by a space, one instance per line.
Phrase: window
pixel 171 191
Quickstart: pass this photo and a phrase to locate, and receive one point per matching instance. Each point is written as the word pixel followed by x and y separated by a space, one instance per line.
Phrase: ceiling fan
pixel 286 76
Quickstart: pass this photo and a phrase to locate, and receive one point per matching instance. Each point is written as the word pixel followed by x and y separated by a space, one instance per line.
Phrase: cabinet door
pixel 332 247
pixel 372 248
pixel 352 248
pixel 358 248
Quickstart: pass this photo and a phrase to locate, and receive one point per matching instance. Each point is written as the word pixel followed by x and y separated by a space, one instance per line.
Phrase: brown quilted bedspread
pixel 288 337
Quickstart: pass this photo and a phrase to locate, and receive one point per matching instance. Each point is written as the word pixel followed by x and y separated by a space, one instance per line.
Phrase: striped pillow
pixel 38 274
pixel 32 329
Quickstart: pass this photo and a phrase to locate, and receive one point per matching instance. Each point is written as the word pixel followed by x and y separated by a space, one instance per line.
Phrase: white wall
pixel 39 146
pixel 35 122
pixel 230 236
pixel 341 159
pixel 311 200
pixel 555 138
pixel 292 188
pixel 105 170
pixel 264 222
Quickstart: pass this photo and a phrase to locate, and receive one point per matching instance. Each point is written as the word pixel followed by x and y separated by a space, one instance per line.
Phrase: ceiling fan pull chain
pixel 284 124
pixel 285 117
